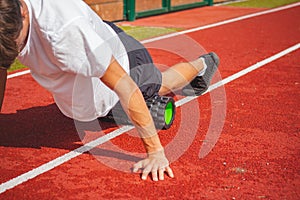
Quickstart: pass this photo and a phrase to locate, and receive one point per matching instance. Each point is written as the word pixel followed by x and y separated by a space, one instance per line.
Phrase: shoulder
pixel 69 6
pixel 51 15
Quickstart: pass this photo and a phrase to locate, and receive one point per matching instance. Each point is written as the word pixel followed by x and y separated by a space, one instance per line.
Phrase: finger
pixel 137 166
pixel 154 173
pixel 161 173
pixel 145 174
pixel 146 171
pixel 170 172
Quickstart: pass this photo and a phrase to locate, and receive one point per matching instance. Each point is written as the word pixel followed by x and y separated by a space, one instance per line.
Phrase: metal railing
pixel 131 13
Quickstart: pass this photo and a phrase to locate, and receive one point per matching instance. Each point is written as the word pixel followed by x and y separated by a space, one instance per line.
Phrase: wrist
pixel 155 149
pixel 158 152
pixel 152 144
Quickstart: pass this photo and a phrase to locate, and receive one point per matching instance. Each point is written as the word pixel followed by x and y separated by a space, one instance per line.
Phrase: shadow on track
pixel 46 126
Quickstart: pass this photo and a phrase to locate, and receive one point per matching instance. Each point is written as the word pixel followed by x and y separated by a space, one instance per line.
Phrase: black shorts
pixel 142 70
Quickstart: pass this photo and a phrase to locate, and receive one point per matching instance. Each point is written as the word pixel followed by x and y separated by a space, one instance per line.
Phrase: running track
pixel 256 155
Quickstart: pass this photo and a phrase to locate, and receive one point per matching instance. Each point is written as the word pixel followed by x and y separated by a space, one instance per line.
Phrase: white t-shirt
pixel 68 49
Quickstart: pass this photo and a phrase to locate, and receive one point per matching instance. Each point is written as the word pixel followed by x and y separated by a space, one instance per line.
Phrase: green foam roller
pixel 162 110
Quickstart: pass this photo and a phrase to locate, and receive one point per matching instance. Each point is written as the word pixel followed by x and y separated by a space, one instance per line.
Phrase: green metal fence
pixel 131 12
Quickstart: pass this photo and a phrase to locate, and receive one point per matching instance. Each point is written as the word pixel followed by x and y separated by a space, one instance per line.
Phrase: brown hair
pixel 10 28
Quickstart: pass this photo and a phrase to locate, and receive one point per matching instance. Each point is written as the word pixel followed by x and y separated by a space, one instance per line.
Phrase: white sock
pixel 201 73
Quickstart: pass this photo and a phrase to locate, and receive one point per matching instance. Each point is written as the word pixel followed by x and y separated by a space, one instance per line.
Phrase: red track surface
pixel 256 156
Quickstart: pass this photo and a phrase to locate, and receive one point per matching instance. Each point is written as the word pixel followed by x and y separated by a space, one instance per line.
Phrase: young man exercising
pixel 89 65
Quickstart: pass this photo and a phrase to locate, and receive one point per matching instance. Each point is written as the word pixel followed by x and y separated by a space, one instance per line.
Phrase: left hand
pixel 157 164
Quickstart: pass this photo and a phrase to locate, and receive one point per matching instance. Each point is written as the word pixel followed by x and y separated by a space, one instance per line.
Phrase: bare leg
pixel 180 75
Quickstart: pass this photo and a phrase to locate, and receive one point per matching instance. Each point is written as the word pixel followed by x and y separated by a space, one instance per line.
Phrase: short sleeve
pixel 81 50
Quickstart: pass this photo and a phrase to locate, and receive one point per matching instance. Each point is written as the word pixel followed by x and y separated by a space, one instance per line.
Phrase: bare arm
pixel 134 105
pixel 3 77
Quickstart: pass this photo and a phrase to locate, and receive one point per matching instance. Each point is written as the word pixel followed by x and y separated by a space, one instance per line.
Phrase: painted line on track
pixel 241 73
pixel 222 22
pixel 89 146
pixel 194 29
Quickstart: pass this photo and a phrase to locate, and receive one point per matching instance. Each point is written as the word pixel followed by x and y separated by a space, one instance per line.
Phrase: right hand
pixel 157 164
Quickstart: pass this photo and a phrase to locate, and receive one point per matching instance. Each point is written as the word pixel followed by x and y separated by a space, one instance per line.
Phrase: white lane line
pixel 87 147
pixel 194 30
pixel 62 159
pixel 241 73
pixel 18 74
pixel 222 22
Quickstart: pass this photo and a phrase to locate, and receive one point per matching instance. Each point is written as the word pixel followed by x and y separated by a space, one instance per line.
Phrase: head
pixel 11 24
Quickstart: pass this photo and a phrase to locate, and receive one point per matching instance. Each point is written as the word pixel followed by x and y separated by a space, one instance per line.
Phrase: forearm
pixel 137 110
pixel 3 77
pixel 133 104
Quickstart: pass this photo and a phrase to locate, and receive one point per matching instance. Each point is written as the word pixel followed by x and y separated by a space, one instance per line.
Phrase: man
pixel 89 65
